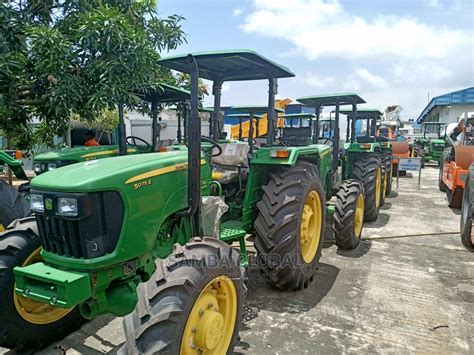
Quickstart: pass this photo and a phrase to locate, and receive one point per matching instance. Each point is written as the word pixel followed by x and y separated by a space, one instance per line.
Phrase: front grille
pixel 95 232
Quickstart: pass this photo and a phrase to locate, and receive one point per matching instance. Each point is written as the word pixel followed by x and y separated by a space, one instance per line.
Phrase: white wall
pixel 450 114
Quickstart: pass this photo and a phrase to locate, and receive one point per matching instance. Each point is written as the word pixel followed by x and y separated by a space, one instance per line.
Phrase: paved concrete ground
pixel 409 293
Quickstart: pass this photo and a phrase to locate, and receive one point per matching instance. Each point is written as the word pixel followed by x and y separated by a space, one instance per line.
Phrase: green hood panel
pixel 81 153
pixel 110 174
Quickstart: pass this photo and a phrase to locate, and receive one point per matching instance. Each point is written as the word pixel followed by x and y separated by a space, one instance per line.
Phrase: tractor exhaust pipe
pixel 194 148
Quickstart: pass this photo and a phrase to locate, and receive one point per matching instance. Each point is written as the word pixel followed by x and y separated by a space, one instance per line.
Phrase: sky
pixel 390 52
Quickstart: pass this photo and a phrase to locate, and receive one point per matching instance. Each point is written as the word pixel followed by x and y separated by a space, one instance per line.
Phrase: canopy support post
pixel 272 91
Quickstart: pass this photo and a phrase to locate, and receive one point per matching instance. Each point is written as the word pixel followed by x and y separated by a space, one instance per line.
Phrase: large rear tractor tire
pixel 349 214
pixel 290 226
pixel 192 305
pixel 467 231
pixel 368 170
pixel 12 204
pixel 27 324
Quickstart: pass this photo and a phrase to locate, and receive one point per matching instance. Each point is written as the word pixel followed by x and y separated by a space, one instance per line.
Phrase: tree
pixel 63 57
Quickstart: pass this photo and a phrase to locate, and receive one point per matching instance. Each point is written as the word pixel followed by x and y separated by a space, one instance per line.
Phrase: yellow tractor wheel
pixel 192 305
pixel 27 323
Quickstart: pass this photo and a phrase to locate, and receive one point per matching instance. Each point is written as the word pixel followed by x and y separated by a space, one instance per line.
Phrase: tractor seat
pixel 464 156
pixel 296 136
pixel 225 167
pixel 365 139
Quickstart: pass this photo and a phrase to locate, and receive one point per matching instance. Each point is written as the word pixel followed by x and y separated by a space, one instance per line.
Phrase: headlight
pixel 52 166
pixel 36 203
pixel 67 206
pixel 37 167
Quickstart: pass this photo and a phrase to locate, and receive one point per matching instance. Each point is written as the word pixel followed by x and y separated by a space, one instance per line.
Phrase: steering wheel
pixel 208 151
pixel 246 139
pixel 325 141
pixel 132 140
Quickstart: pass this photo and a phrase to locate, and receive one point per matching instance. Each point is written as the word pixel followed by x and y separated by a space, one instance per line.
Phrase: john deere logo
pixel 48 204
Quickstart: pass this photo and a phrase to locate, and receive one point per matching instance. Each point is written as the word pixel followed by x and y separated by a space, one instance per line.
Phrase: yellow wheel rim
pixel 359 216
pixel 378 187
pixel 385 184
pixel 33 311
pixel 2 228
pixel 310 228
pixel 212 319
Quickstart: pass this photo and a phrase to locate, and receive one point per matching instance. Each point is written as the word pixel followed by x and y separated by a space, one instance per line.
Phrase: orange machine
pixel 456 159
pixel 400 149
pixel 453 172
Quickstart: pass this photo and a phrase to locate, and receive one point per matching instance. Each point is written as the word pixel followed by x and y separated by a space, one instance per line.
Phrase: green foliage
pixel 105 121
pixel 63 57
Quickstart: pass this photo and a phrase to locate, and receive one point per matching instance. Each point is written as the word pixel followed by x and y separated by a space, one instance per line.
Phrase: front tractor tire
pixel 368 170
pixel 27 324
pixel 349 214
pixel 192 305
pixel 467 231
pixel 290 226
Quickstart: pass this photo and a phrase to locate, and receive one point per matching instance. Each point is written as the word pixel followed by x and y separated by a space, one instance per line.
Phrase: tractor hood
pixel 112 173
pixel 80 153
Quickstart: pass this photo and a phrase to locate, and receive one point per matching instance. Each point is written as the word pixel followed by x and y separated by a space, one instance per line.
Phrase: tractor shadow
pixel 382 220
pixel 393 194
pixel 86 340
pixel 364 245
pixel 456 211
pixel 362 249
pixel 262 296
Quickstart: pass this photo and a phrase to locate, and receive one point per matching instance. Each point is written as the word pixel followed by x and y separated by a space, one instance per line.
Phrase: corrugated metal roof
pixel 460 97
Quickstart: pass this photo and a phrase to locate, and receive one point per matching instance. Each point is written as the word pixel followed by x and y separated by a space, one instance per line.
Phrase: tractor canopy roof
pixel 207 109
pixel 301 115
pixel 364 113
pixel 433 124
pixel 164 93
pixel 229 65
pixel 255 108
pixel 327 118
pixel 331 100
pixel 242 115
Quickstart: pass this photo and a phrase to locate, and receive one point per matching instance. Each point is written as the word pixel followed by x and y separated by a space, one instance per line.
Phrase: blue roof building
pixel 448 107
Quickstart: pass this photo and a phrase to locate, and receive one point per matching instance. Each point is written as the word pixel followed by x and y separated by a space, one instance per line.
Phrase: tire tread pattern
pixel 278 224
pixel 365 171
pixel 344 216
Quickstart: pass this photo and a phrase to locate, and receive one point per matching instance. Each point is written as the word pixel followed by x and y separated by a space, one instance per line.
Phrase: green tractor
pixel 431 145
pixel 378 143
pixel 310 130
pixel 164 94
pixel 12 159
pixel 125 235
pixel 20 244
pixel 360 157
